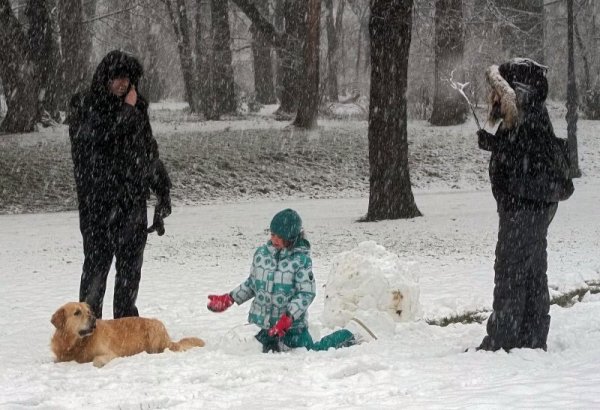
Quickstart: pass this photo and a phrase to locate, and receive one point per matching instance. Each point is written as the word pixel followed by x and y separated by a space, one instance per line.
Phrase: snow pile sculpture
pixel 370 281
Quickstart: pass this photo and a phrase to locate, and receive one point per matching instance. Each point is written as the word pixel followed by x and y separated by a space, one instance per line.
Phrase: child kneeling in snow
pixel 282 284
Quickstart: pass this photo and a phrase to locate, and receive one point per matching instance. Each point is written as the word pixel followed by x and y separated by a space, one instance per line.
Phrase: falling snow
pixel 208 246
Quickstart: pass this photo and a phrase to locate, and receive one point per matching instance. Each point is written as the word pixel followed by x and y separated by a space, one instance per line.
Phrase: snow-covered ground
pixel 208 248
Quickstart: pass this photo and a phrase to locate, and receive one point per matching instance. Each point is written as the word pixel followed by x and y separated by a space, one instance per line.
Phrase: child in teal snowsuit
pixel 282 286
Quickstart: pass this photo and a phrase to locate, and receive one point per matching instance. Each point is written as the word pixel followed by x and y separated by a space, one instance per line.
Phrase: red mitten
pixel 219 303
pixel 282 326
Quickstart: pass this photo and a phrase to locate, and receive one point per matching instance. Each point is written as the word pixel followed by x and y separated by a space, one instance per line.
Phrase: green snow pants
pixel 301 338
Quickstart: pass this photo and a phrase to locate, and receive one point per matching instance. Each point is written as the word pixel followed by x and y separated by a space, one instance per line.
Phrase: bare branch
pixel 109 14
pixel 275 38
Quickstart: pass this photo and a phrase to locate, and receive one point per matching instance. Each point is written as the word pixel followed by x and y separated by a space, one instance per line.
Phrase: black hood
pixel 527 78
pixel 115 64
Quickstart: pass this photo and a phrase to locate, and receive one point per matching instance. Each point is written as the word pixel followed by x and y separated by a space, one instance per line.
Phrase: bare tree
pixel 128 30
pixel 279 25
pixel 223 94
pixel 572 96
pixel 449 108
pixel 292 63
pixel 334 27
pixel 203 55
pixel 89 13
pixel 586 42
pixel 308 104
pixel 264 86
pixel 18 72
pixel 522 23
pixel 361 9
pixel 391 194
pixel 44 53
pixel 274 37
pixel 292 14
pixel 75 49
pixel 181 28
pixel 153 85
pixel 584 55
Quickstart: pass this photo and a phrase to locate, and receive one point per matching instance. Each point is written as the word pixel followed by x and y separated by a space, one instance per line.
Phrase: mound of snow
pixel 370 281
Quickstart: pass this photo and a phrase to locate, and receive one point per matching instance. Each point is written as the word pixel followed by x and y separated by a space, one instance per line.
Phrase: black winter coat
pixel 115 156
pixel 528 166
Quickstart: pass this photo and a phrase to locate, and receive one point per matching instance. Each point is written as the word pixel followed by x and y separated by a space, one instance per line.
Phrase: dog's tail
pixel 185 344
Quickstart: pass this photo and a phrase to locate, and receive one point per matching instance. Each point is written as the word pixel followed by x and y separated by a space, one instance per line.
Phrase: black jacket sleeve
pixel 129 119
pixel 74 115
pixel 159 180
pixel 75 120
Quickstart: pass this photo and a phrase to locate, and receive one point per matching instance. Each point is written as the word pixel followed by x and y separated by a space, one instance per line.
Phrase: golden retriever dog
pixel 80 337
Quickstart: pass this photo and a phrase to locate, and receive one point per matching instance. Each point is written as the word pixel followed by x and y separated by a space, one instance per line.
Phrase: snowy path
pixel 208 248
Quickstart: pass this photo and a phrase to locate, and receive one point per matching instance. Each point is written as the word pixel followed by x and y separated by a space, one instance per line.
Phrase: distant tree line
pixel 301 53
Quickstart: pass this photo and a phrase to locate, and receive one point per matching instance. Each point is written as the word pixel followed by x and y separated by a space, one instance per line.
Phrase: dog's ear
pixel 58 318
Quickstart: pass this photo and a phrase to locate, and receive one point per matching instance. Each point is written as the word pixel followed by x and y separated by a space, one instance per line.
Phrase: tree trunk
pixel 126 27
pixel 367 57
pixel 44 55
pixel 595 37
pixel 74 49
pixel 17 70
pixel 334 27
pixel 89 12
pixel 263 67
pixel 288 17
pixel 203 59
pixel 153 85
pixel 87 42
pixel 308 105
pixel 522 28
pixel 362 14
pixel 391 194
pixel 185 54
pixel 222 70
pixel 359 34
pixel 584 56
pixel 571 116
pixel 449 108
pixel 274 37
pixel 279 22
pixel 339 29
pixel 182 34
pixel 291 56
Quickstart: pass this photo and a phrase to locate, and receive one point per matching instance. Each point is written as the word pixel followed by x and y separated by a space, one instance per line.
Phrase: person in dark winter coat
pixel 116 164
pixel 529 174
pixel 282 286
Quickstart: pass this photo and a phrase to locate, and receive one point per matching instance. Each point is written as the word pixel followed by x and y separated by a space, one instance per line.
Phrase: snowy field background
pixel 208 248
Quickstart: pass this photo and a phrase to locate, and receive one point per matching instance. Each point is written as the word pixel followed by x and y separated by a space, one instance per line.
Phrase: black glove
pixel 486 141
pixel 161 211
pixel 483 134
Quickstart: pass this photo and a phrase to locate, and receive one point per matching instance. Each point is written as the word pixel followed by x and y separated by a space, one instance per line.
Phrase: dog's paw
pixel 101 361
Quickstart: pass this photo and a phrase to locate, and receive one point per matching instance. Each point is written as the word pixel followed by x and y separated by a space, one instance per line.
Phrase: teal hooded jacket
pixel 280 281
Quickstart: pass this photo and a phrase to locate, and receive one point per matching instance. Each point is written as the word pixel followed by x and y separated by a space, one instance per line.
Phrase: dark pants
pixel 121 234
pixel 521 298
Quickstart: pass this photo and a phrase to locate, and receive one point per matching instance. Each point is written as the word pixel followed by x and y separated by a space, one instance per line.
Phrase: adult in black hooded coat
pixel 529 173
pixel 116 164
